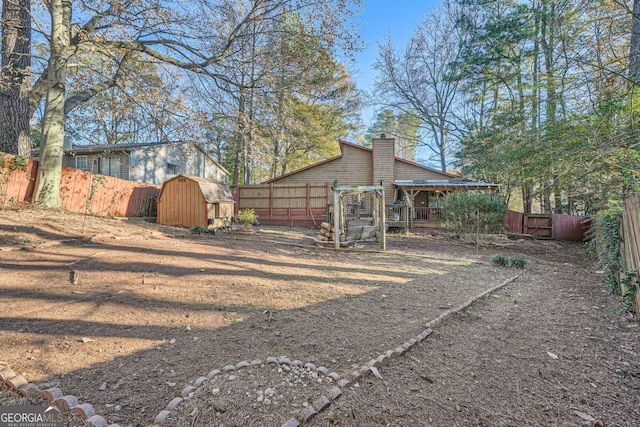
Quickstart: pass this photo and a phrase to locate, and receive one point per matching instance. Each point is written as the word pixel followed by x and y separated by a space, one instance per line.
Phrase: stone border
pixel 53 395
pixel 323 402
pixel 310 410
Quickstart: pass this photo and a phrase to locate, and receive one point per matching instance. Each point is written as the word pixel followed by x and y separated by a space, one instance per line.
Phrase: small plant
pixel 198 229
pixel 500 260
pixel 519 262
pixel 247 217
pixel 509 262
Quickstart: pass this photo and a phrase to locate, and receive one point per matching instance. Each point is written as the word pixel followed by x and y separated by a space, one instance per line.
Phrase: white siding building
pixel 152 163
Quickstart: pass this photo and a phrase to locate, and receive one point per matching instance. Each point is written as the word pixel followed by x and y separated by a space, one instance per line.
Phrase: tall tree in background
pixel 288 103
pixel 549 81
pixel 14 77
pixel 404 128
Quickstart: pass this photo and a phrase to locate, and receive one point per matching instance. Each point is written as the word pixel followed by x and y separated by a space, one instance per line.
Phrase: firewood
pixel 326 226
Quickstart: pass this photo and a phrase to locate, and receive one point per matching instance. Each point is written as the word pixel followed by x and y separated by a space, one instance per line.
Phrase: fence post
pixel 308 201
pixel 236 205
pixel 270 201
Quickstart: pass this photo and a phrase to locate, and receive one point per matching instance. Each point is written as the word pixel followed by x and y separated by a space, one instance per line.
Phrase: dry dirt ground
pixel 155 308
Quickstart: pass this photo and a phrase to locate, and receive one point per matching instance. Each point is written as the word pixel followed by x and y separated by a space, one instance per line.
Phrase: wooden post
pixel 308 201
pixel 270 201
pixel 336 219
pixel 383 221
pixel 236 205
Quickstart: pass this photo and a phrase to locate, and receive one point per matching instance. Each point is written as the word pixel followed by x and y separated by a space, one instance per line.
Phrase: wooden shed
pixel 190 201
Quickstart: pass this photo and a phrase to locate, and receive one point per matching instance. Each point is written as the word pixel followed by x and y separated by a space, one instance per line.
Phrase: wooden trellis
pixel 376 191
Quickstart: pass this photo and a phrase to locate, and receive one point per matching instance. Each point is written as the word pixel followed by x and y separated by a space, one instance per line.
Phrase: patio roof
pixel 445 184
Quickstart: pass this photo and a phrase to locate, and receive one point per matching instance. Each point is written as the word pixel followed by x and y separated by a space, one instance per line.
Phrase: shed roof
pixel 212 191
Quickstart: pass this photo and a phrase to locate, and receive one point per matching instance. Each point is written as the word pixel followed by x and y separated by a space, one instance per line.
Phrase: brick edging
pixel 54 395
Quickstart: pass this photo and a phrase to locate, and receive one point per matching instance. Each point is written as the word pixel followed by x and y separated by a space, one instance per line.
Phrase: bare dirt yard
pixel 253 328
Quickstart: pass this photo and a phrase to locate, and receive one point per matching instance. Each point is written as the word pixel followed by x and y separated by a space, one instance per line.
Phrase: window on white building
pixel 82 163
pixel 109 166
pixel 173 169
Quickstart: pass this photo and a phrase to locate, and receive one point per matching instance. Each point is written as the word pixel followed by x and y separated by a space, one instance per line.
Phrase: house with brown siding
pixel 412 191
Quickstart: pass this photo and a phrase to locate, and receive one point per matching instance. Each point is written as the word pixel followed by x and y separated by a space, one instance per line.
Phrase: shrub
pixel 467 211
pixel 247 217
pixel 500 260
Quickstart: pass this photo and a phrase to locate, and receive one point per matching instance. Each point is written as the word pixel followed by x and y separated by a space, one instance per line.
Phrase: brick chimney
pixel 384 165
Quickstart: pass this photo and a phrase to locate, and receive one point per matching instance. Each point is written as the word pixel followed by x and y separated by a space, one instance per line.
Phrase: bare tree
pixel 197 36
pixel 419 81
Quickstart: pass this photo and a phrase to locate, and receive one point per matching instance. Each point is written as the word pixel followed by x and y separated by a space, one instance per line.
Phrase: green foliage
pixel 13 163
pixel 468 211
pixel 18 163
pixel 198 229
pixel 605 244
pixel 509 262
pixel 247 216
pixel 629 282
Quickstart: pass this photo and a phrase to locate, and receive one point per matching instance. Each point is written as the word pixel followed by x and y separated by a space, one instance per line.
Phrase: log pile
pixel 327 233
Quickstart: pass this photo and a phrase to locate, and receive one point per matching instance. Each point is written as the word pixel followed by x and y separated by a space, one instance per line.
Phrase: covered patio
pixel 418 202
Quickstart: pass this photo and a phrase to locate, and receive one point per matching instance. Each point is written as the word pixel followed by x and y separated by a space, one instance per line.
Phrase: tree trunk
pixel 634 50
pixel 14 78
pixel 51 150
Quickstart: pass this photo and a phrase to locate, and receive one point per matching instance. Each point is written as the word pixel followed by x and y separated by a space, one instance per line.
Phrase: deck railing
pixel 396 215
pixel 428 214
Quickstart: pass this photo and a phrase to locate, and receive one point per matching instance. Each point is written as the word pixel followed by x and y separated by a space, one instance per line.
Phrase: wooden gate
pixel 539 226
pixel 548 226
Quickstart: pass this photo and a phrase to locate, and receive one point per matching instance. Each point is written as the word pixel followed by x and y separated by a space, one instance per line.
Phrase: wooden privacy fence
pixel 81 191
pixel 548 226
pixel 17 181
pixel 630 232
pixel 301 205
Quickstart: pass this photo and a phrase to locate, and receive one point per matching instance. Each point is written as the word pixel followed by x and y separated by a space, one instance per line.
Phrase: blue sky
pixel 379 18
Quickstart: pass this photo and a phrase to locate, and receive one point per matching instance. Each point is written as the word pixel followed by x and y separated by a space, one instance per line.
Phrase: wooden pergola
pixel 377 192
